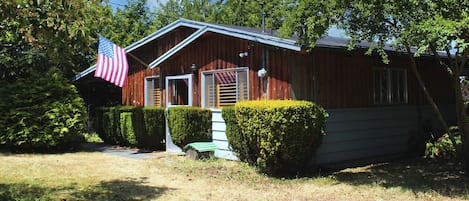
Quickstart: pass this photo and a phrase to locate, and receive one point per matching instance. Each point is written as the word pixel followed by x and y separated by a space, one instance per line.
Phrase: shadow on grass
pixel 418 175
pixel 107 190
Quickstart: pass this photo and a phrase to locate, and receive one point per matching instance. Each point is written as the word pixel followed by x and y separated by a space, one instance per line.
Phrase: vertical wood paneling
pixel 343 79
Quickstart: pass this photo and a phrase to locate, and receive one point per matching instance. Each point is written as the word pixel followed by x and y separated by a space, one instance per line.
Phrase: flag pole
pixel 137 59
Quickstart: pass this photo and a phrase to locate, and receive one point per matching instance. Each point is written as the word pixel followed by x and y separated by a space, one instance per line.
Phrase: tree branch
pixel 429 97
pixel 453 63
pixel 464 57
pixel 435 53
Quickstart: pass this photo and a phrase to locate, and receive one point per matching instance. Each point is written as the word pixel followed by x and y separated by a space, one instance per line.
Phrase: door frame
pixel 189 86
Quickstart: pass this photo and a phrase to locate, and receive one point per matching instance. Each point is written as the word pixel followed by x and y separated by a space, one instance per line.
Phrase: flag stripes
pixel 112 63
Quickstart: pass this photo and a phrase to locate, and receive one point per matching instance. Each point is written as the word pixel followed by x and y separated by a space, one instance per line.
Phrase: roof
pixel 247 33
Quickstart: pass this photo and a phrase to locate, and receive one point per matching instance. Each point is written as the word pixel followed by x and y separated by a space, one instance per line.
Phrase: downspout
pixel 265 82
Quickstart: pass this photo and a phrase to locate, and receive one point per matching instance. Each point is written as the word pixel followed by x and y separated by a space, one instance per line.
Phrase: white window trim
pixel 246 69
pixel 145 88
pixel 179 77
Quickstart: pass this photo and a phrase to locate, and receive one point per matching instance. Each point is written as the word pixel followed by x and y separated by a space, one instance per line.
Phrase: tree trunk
pixel 463 124
pixel 429 98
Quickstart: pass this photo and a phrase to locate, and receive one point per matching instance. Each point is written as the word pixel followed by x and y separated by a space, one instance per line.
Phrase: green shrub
pixel 245 149
pixel 131 126
pixel 127 129
pixel 285 133
pixel 442 147
pixel 99 124
pixel 41 111
pixel 155 128
pixel 189 124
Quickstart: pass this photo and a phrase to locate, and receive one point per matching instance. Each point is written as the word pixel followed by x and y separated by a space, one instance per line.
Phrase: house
pixel 375 109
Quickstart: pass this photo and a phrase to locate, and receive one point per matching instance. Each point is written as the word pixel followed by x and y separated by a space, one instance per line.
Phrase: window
pixel 152 91
pixel 224 87
pixel 390 86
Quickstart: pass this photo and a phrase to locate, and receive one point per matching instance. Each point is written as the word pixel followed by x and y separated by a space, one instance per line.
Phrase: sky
pixel 152 4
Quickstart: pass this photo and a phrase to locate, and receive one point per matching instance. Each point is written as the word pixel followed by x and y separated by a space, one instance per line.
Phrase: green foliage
pixel 189 124
pixel 131 126
pixel 200 10
pixel 130 24
pixel 155 127
pixel 277 136
pixel 37 35
pixel 41 111
pixel 309 19
pixel 442 147
pixel 245 149
pixel 127 129
pixel 92 138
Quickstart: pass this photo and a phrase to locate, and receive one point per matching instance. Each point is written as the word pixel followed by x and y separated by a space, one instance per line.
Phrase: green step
pixel 201 146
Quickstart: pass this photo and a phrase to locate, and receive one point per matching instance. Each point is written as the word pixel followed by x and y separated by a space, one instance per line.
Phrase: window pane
pixel 209 91
pixel 224 88
pixel 395 87
pixel 380 86
pixel 150 91
pixel 403 87
pixel 156 93
pixel 243 86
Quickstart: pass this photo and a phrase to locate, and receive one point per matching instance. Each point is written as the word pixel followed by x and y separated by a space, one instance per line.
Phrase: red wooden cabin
pixel 375 109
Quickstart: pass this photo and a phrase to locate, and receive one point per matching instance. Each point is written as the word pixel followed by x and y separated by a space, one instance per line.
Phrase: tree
pixel 130 24
pixel 231 12
pixel 434 27
pixel 249 13
pixel 199 10
pixel 43 43
pixel 35 35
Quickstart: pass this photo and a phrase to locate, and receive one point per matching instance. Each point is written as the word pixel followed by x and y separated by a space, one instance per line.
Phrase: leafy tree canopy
pixel 35 35
pixel 130 24
pixel 437 27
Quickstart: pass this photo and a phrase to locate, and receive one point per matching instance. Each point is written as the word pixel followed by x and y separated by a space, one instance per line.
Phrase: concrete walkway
pixel 118 151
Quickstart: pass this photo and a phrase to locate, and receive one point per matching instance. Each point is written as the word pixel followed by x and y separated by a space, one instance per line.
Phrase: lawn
pixel 98 176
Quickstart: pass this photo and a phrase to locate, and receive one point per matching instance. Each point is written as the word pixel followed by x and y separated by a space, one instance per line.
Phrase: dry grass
pixel 98 176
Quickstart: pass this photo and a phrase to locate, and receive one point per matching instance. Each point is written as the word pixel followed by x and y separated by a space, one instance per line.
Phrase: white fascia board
pixel 160 33
pixel 261 38
pixel 84 73
pixel 202 28
pixel 264 39
pixel 178 47
pixel 287 44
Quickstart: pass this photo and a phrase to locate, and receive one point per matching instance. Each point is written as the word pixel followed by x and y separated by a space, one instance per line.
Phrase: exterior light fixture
pixel 243 54
pixel 194 69
pixel 262 73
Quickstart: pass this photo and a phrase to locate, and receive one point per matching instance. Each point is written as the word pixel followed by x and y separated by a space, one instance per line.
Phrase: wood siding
pixel 213 52
pixel 133 91
pixel 362 133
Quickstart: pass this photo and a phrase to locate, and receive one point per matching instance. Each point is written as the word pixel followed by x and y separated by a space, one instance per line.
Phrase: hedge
pixel 41 112
pixel 277 136
pixel 189 124
pixel 131 126
pixel 245 149
pixel 155 126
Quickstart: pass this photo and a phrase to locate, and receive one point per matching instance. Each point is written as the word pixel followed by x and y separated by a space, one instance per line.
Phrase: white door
pixel 178 92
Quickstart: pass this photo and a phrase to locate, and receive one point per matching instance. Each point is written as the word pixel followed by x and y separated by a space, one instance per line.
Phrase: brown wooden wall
pixel 211 52
pixel 331 77
pixel 132 92
pixel 344 79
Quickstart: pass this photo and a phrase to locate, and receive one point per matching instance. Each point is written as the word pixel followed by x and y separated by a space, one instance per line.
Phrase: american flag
pixel 112 63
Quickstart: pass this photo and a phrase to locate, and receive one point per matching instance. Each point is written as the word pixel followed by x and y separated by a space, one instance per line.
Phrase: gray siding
pixel 219 137
pixel 360 133
pixel 356 134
